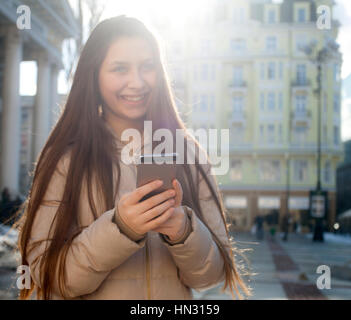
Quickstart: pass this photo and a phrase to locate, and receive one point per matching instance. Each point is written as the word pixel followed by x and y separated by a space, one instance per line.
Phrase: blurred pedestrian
pixel 9 207
pixel 259 227
pixel 272 231
pixel 5 205
pixel 285 226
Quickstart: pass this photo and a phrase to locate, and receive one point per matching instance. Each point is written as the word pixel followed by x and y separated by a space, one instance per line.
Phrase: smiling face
pixel 127 77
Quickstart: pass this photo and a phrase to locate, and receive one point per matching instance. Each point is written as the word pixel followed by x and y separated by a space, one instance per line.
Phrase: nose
pixel 136 80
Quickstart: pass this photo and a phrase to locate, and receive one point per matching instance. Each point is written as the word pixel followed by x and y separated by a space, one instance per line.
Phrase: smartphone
pixel 152 167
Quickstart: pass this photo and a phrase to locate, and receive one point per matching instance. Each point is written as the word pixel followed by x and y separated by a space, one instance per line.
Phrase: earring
pixel 100 112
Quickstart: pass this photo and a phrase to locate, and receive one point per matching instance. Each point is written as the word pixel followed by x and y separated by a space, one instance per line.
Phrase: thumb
pixel 179 193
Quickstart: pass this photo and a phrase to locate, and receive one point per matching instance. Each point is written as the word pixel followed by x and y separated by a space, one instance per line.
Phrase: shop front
pixel 238 212
pixel 299 210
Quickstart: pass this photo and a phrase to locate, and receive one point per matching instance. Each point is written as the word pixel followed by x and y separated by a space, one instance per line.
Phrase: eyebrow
pixel 125 62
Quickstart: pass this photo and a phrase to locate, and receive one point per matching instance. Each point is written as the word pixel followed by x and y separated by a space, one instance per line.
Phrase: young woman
pixel 85 233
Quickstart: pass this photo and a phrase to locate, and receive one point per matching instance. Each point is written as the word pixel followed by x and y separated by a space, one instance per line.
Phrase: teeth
pixel 133 98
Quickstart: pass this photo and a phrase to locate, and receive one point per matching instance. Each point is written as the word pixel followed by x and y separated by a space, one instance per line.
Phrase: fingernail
pixel 159 182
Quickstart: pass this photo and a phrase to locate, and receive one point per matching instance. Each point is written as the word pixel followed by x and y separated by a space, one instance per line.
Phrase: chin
pixel 135 115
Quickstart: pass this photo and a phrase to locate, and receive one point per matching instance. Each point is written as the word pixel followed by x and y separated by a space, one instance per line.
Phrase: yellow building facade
pixel 242 67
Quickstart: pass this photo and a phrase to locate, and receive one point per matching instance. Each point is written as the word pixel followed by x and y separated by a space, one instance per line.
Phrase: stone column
pixel 54 96
pixel 11 112
pixel 41 114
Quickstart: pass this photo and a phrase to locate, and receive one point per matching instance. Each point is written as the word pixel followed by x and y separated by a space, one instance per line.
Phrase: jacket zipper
pixel 147 270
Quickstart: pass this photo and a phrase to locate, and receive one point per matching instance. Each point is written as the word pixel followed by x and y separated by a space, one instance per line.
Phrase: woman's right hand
pixel 138 215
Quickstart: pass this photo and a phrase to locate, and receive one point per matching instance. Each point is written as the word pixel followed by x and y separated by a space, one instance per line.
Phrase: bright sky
pixel 175 12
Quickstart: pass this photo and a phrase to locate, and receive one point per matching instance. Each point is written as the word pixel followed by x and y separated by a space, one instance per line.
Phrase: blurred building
pixel 26 121
pixel 241 67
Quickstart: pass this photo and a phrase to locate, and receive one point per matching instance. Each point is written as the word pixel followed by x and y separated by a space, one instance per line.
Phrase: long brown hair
pixel 81 131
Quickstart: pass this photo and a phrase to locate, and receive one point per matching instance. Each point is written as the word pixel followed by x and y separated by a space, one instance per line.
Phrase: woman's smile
pixel 134 100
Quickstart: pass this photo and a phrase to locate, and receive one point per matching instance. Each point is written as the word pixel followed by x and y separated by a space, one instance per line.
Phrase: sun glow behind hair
pixel 173 12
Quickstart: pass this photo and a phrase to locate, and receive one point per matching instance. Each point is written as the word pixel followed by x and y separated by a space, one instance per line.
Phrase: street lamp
pixel 318 198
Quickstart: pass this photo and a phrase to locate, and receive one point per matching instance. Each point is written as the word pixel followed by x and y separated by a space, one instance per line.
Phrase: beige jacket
pixel 105 261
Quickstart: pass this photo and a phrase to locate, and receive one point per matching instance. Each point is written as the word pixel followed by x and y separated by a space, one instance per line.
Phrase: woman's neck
pixel 118 125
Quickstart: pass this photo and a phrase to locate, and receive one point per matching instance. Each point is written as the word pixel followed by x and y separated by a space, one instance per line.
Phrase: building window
pixel 300 106
pixel 325 133
pixel 280 133
pixel 327 172
pixel 269 170
pixel 238 104
pixel 271 43
pixel 336 103
pixel 242 15
pixel 281 66
pixel 213 71
pixel 237 75
pixel 212 104
pixel 262 70
pixel 261 132
pixel 301 74
pixel 271 16
pixel 237 133
pixel 204 72
pixel 301 42
pixel 239 15
pixel 195 102
pixel 281 101
pixel 271 101
pixel 336 135
pixel 270 133
pixel 238 45
pixel 300 134
pixel 262 101
pixel 235 170
pixel 271 70
pixel 203 103
pixel 300 170
pixel 205 46
pixel 301 15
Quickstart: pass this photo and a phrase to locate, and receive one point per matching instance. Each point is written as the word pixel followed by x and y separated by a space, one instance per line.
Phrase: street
pixel 287 270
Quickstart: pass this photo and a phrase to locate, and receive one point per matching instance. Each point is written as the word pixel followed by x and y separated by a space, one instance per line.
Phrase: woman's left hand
pixel 175 225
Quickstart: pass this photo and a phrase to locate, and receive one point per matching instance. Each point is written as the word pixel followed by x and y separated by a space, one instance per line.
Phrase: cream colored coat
pixel 103 263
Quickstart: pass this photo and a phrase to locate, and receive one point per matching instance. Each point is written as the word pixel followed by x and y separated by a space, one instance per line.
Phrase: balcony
pixel 301 118
pixel 301 85
pixel 238 86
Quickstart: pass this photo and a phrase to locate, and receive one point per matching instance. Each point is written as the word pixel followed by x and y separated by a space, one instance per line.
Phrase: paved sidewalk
pixel 287 270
